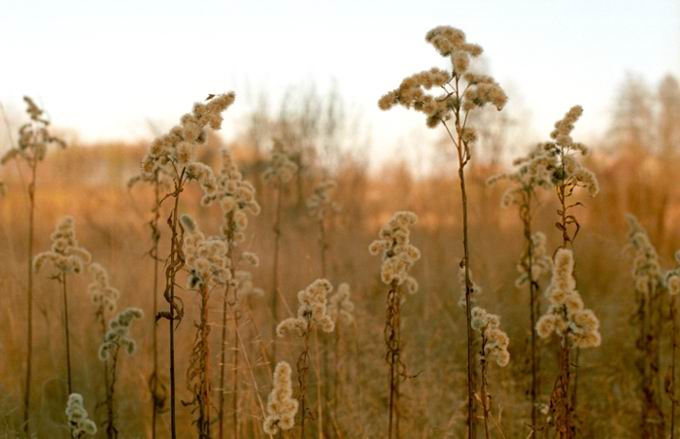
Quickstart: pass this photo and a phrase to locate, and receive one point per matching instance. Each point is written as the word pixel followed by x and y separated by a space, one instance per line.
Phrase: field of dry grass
pixel 398 364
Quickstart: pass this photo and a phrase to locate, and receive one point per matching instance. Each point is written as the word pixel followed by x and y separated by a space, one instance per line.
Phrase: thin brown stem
pixel 483 388
pixel 29 296
pixel 111 430
pixel 302 367
pixel 674 347
pixel 66 333
pixel 463 153
pixel 275 271
pixel 393 344
pixel 525 215
pixel 155 403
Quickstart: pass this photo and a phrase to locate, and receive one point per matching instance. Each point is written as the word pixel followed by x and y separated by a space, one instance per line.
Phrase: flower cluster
pixel 398 254
pixel 281 406
pixel 118 334
pixel 235 196
pixel 533 171
pixel 312 309
pixel 174 151
pixel 320 202
pixel 647 273
pixel 282 168
pixel 566 315
pixel 65 254
pixel 340 306
pixel 206 258
pixel 566 169
pixel 79 421
pixel 479 90
pixel 34 137
pixel 541 263
pixel 495 340
pixel 102 293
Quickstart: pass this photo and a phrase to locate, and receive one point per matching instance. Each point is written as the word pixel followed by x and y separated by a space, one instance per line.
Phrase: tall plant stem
pixel 154 340
pixel 175 263
pixel 29 297
pixel 275 272
pixel 525 214
pixel 319 384
pixel 111 431
pixel 220 416
pixel 223 345
pixel 483 389
pixel 66 333
pixel 393 356
pixel 302 368
pixel 234 375
pixel 463 158
pixel 674 347
pixel 325 383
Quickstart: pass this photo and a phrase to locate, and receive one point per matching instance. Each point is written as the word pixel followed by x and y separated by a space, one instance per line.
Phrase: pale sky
pixel 103 68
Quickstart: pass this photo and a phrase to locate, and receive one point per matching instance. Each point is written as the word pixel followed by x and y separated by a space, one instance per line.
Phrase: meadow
pixel 276 286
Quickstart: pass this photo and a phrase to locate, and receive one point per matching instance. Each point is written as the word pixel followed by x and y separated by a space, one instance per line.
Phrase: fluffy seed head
pixel 65 254
pixel 281 406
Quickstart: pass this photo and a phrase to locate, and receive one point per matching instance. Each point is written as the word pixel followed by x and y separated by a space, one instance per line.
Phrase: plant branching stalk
pixel 319 383
pixel 111 430
pixel 463 154
pixel 225 309
pixel 674 347
pixel 302 367
pixel 198 375
pixel 29 296
pixel 562 398
pixel 275 271
pixel 174 313
pixel 525 214
pixel 66 333
pixel 483 389
pixel 392 342
pixel 155 402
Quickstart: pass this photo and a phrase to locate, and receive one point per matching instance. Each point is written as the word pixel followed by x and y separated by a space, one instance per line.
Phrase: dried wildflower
pixel 398 254
pixel 650 283
pixel 281 406
pixel 647 273
pixel 495 342
pixel 340 306
pixel 65 254
pixel 79 422
pixel 102 293
pixel 206 258
pixel 174 151
pixel 235 196
pixel 34 137
pixel 282 168
pixel 541 263
pixel 566 315
pixel 321 202
pixel 118 334
pixel 479 90
pixel 312 310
